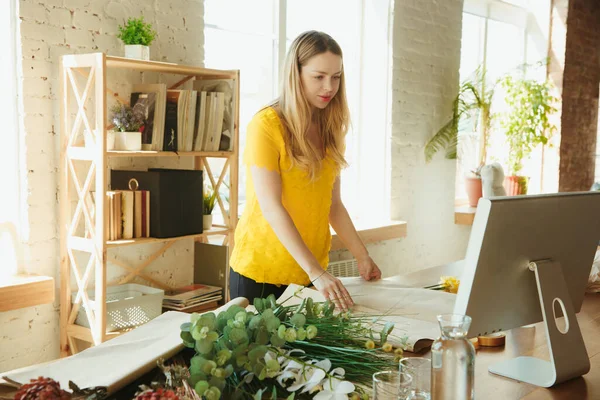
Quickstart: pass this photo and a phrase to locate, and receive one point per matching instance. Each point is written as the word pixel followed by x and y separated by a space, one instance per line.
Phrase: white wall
pixel 47 31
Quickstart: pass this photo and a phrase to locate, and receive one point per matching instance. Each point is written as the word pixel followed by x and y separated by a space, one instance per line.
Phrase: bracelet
pixel 317 278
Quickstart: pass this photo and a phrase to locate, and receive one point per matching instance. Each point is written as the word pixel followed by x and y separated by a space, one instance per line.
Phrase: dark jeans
pixel 241 286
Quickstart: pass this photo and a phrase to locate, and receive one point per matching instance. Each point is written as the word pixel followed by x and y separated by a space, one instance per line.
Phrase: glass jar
pixel 453 360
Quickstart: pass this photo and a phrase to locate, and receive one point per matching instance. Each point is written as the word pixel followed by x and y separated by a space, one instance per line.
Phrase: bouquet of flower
pixel 302 350
pixel 127 119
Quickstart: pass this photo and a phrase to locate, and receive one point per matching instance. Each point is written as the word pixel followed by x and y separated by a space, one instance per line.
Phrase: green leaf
pixel 272 301
pixel 186 326
pixel 201 387
pixel 262 336
pixel 259 304
pixel 277 341
pixel 298 320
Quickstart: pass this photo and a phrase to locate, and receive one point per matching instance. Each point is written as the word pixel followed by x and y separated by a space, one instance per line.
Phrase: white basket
pixel 127 306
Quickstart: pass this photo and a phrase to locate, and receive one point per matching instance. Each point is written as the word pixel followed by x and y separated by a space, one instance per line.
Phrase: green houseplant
pixel 208 204
pixel 137 35
pixel 473 102
pixel 525 124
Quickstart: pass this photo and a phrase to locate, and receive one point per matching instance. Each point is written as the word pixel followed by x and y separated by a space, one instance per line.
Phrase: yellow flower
pixel 370 344
pixel 399 352
pixel 387 347
pixel 450 283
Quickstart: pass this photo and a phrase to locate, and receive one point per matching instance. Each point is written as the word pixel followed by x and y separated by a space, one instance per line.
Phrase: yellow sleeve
pixel 262 147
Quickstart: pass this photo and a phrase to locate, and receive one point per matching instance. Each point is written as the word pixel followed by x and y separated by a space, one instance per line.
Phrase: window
pixel 250 39
pixel 497 35
pixel 9 203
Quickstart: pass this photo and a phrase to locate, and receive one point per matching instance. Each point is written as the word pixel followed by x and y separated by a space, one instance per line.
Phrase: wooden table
pixel 527 341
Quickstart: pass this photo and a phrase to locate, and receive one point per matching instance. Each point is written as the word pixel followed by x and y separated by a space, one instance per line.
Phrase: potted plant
pixel 525 125
pixel 129 124
pixel 137 35
pixel 474 103
pixel 210 197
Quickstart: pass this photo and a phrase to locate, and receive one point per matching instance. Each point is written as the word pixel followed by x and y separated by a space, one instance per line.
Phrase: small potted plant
pixel 525 125
pixel 129 125
pixel 210 198
pixel 137 35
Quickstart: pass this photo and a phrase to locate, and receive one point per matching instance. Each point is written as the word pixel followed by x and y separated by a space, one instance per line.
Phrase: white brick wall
pixel 48 30
pixel 426 60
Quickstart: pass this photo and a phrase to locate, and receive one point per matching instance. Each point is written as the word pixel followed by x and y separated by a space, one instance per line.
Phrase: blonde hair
pixel 296 112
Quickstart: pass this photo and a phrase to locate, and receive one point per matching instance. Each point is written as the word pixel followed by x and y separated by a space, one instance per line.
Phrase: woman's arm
pixel 267 185
pixel 343 226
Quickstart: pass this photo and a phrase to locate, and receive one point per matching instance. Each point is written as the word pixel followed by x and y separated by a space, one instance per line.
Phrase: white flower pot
pixel 137 51
pixel 110 140
pixel 130 141
pixel 207 222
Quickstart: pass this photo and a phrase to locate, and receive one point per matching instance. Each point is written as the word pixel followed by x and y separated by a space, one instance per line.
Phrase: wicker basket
pixel 127 306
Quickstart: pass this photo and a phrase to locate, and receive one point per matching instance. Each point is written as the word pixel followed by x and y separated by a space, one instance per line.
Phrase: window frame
pixel 381 206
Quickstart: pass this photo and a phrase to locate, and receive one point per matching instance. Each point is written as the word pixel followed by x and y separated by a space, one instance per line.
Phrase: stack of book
pixel 193 298
pixel 199 119
pixel 129 214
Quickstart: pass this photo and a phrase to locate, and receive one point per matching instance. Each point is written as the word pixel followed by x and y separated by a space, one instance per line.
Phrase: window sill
pixel 22 291
pixel 373 233
pixel 464 215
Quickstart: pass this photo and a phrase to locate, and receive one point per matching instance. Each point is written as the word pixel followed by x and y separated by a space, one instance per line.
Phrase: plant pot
pixel 515 185
pixel 474 190
pixel 137 51
pixel 207 221
pixel 110 140
pixel 130 141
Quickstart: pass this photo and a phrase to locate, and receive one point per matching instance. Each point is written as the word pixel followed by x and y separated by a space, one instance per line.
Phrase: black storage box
pixel 176 204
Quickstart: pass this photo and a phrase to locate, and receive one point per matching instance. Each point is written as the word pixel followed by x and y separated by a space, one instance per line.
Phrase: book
pixel 200 118
pixel 154 97
pixel 225 86
pixel 208 306
pixel 188 307
pixel 171 121
pixel 190 295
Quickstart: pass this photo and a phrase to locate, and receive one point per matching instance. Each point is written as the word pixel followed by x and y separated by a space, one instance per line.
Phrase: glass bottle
pixel 453 360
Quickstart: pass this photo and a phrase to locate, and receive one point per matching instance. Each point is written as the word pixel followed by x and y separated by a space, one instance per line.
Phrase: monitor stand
pixel 568 356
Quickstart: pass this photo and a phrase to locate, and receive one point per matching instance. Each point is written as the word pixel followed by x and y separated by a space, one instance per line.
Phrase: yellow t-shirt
pixel 258 254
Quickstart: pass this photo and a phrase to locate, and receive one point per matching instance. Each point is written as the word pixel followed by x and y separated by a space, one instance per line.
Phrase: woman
pixel 293 157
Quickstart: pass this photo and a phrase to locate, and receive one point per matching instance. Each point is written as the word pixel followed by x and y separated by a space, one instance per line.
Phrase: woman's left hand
pixel 368 270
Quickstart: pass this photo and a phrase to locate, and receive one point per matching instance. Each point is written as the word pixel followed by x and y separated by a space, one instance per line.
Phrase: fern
pixel 472 96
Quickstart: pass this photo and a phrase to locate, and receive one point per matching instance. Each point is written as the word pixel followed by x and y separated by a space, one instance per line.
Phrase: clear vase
pixel 453 360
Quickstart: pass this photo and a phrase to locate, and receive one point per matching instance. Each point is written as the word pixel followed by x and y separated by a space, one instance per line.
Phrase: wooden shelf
pixel 169 68
pixel 22 291
pixel 215 154
pixel 137 241
pixel 84 87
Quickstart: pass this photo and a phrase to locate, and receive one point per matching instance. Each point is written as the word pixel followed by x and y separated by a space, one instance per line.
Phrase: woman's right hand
pixel 332 289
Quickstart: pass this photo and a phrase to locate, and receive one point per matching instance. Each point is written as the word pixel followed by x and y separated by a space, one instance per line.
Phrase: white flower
pixel 335 389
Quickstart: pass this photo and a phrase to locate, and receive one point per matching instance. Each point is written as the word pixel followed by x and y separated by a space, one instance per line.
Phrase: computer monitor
pixel 528 260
